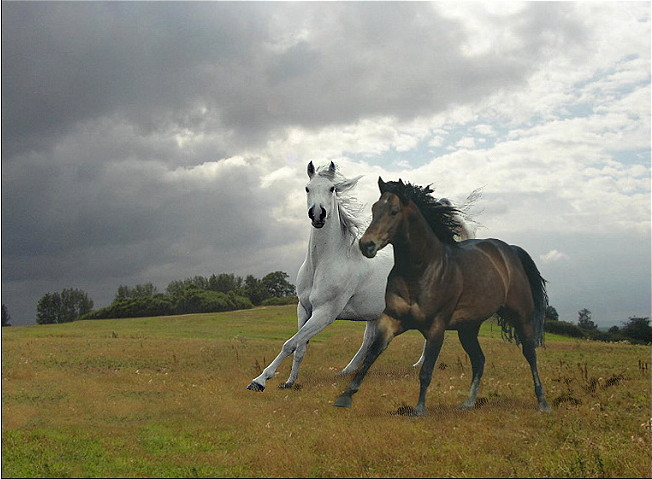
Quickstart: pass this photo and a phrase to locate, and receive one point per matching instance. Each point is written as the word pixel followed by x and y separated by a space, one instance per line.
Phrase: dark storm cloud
pixel 155 63
pixel 68 62
pixel 114 113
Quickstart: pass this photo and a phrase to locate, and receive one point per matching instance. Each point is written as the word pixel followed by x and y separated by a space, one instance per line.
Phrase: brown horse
pixel 437 284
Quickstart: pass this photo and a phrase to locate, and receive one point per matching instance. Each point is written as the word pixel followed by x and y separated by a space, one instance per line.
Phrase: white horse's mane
pixel 349 208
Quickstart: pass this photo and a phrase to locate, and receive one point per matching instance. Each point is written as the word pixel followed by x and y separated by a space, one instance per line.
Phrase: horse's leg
pixel 321 317
pixel 367 341
pixel 423 355
pixel 299 353
pixel 468 336
pixel 531 355
pixel 431 353
pixel 387 328
pixel 526 334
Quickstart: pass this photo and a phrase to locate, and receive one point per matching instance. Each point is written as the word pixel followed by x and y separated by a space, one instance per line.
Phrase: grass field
pixel 167 397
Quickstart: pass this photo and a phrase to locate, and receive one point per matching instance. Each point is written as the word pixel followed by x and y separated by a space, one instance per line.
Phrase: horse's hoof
pixel 343 401
pixel 419 411
pixel 254 386
pixel 544 407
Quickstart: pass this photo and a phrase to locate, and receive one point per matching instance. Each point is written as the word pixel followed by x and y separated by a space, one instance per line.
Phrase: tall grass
pixel 167 397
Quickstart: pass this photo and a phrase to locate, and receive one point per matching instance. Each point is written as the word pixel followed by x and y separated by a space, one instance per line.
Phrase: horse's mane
pixel 348 206
pixel 443 219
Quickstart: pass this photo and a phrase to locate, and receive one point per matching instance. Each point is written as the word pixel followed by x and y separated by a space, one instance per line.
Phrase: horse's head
pixel 386 217
pixel 320 192
pixel 323 189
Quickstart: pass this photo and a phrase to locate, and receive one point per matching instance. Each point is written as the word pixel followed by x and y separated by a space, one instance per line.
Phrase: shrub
pixel 564 328
pixel 280 301
pixel 159 305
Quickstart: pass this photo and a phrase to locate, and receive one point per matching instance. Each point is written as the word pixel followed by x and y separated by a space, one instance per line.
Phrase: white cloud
pixel 553 255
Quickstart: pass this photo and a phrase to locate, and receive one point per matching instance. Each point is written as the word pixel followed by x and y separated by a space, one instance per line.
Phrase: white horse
pixel 335 281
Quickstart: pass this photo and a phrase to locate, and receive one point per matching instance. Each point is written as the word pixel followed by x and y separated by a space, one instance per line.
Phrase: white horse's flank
pixel 335 281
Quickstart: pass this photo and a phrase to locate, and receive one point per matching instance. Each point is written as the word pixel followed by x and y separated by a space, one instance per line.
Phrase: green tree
pixel 178 287
pixel 277 285
pixel 255 290
pixel 48 309
pixel 175 288
pixel 638 328
pixel 74 303
pixel 63 307
pixel 146 290
pixel 551 314
pixel 5 316
pixel 584 319
pixel 224 283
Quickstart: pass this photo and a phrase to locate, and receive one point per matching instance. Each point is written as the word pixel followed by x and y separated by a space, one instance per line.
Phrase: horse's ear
pixel 381 185
pixel 331 168
pixel 311 169
pixel 401 193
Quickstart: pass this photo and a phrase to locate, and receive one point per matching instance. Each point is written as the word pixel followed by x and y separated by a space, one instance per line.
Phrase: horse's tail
pixel 539 293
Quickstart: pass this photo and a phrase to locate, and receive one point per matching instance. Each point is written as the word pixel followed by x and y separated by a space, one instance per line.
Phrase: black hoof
pixel 254 386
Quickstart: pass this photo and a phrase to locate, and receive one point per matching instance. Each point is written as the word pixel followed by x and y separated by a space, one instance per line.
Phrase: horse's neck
pixel 416 246
pixel 328 241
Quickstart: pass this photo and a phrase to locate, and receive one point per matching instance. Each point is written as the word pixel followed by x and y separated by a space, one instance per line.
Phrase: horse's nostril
pixel 322 215
pixel 367 247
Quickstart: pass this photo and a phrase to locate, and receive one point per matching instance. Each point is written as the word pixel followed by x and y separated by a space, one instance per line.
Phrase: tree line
pixel 226 292
pixel 199 294
pixel 635 330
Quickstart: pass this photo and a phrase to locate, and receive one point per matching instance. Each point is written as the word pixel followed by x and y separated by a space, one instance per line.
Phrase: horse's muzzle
pixel 317 221
pixel 368 248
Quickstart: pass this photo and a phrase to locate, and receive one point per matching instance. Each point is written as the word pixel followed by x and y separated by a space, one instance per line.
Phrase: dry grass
pixel 167 397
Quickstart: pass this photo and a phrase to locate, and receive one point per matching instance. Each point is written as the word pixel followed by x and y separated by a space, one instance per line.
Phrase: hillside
pixel 167 397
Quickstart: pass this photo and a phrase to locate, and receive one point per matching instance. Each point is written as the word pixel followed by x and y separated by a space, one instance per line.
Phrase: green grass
pixel 167 397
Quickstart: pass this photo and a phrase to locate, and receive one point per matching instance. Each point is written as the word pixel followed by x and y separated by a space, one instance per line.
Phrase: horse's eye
pixel 393 212
pixel 332 189
pixel 307 190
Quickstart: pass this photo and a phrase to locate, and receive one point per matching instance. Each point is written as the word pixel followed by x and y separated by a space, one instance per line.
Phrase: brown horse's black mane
pixel 444 220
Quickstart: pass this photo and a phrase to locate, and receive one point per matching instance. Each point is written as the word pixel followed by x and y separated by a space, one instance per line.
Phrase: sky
pixel 157 141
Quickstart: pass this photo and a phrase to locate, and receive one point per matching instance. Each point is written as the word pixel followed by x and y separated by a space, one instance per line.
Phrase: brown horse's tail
pixel 539 293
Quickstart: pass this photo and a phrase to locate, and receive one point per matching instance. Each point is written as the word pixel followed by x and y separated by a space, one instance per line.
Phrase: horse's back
pixel 486 256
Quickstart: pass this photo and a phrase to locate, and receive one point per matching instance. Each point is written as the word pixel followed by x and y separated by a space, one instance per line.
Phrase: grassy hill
pixel 167 397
